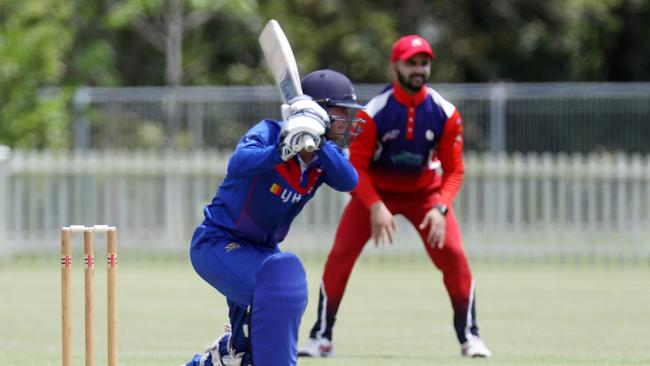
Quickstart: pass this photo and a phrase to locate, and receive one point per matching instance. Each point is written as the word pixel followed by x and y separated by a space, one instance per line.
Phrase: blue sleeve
pixel 256 152
pixel 339 172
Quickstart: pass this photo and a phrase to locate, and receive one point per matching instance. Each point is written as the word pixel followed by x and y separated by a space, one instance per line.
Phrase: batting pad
pixel 279 301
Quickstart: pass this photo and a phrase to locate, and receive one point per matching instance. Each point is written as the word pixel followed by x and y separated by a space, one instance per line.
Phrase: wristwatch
pixel 442 208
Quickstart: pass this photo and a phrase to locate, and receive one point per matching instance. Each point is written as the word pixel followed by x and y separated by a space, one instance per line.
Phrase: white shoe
pixel 221 351
pixel 321 347
pixel 474 347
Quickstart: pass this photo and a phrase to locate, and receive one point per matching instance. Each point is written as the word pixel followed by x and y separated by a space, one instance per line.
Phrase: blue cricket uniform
pixel 261 194
pixel 251 214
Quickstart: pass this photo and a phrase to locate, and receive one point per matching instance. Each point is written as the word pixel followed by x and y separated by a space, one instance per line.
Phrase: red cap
pixel 410 45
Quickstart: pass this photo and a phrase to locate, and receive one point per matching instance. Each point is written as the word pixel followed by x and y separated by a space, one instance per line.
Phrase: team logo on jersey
pixel 285 195
pixel 407 158
pixel 429 135
pixel 390 135
pixel 232 246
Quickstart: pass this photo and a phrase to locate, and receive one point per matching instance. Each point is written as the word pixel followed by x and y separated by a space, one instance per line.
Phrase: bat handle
pixel 308 142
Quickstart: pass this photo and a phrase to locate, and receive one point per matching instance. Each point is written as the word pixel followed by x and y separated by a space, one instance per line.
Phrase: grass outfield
pixel 394 313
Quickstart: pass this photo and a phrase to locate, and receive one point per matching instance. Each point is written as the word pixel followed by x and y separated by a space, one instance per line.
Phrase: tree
pixel 628 55
pixel 164 24
pixel 34 37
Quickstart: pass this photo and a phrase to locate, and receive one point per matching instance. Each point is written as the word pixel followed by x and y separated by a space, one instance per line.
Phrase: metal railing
pixel 510 206
pixel 526 118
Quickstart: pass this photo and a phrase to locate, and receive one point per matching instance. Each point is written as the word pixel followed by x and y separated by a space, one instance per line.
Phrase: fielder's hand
pixel 436 222
pixel 382 223
pixel 304 125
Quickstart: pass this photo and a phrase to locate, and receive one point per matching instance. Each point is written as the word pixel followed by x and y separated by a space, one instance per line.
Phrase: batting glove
pixel 305 123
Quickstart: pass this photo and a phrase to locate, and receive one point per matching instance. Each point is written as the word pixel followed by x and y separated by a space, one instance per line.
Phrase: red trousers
pixel 353 233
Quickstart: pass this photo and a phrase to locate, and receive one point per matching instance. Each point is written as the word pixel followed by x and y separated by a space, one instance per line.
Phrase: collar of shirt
pixel 410 102
pixel 303 165
pixel 403 97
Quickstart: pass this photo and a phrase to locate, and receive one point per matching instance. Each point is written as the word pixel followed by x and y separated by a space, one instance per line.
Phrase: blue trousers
pixel 229 267
pixel 232 268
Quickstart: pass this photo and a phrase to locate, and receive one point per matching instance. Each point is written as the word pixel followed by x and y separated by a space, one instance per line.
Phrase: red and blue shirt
pixel 403 142
pixel 261 194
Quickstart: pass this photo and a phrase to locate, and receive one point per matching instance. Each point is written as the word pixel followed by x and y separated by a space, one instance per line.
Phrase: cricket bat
pixel 279 56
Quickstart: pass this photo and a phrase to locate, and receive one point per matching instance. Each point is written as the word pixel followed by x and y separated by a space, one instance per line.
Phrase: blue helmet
pixel 333 89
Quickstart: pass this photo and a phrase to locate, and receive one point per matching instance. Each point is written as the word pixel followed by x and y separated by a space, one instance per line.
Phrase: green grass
pixel 394 313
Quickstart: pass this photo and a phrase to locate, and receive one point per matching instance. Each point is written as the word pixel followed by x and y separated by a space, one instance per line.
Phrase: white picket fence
pixel 510 207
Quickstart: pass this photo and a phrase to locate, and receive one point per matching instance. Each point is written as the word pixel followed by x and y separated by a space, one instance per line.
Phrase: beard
pixel 413 83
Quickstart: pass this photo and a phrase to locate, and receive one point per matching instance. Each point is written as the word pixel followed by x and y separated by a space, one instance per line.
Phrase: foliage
pixel 71 43
pixel 34 41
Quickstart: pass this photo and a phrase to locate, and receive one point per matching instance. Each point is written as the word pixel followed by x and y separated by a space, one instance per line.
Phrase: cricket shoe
pixel 475 347
pixel 220 353
pixel 321 347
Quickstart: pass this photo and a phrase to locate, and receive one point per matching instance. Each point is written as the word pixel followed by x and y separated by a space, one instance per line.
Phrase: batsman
pixel 270 177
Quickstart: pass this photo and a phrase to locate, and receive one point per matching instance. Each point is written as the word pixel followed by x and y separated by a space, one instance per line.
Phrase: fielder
pixel 410 130
pixel 269 179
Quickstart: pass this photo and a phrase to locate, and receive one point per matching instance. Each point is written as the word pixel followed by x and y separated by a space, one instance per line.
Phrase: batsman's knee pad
pixel 279 301
pixel 281 281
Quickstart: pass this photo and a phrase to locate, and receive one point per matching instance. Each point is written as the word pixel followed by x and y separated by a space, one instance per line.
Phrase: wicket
pixel 89 265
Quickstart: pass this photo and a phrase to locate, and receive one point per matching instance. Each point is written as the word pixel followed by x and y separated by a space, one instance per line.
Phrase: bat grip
pixel 308 142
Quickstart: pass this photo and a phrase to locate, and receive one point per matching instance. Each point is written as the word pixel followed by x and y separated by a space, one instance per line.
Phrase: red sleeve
pixel 450 153
pixel 361 151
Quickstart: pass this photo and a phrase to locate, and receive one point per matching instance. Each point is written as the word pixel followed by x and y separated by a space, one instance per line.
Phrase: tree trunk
pixel 174 72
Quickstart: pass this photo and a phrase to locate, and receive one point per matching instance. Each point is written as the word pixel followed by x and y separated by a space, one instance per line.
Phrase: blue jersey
pixel 261 194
